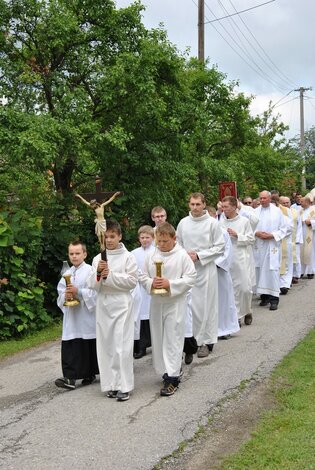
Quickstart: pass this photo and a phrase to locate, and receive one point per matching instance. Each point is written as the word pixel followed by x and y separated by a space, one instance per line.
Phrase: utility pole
pixel 302 138
pixel 201 30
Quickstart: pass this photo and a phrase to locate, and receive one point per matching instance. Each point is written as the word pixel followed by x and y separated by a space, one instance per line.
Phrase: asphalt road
pixel 43 427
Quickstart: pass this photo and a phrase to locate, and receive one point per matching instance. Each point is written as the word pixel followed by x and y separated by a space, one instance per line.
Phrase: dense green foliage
pixel 91 91
pixel 21 301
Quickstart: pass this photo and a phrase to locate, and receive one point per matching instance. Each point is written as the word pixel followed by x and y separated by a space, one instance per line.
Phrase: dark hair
pixel 77 242
pixel 113 225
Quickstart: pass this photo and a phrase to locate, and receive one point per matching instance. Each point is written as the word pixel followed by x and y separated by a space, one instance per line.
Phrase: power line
pixel 309 98
pixel 238 12
pixel 282 98
pixel 275 67
pixel 286 102
pixel 258 69
pixel 232 23
pixel 235 27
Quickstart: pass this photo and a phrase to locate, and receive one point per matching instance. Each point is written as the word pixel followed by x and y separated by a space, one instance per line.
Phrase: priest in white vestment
pixel 290 246
pixel 308 247
pixel 202 238
pixel 271 229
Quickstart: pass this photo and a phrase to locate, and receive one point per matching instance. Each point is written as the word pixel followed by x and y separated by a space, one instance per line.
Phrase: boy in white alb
pixel 146 239
pixel 78 346
pixel 113 280
pixel 168 310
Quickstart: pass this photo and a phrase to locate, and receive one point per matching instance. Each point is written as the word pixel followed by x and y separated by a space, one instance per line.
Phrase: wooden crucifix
pixel 95 202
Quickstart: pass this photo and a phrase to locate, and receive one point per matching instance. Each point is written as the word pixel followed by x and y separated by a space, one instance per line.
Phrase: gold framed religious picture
pixel 228 188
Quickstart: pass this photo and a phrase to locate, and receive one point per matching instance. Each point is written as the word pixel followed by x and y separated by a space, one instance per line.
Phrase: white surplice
pixel 241 265
pixel 204 236
pixel 167 313
pixel 144 307
pixel 250 213
pixel 78 321
pixel 228 320
pixel 141 299
pixel 114 319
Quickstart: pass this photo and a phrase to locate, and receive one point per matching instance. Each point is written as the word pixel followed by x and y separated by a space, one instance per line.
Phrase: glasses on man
pixel 247 203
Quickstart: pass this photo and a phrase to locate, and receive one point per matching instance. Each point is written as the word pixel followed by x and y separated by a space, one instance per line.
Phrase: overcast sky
pixel 276 42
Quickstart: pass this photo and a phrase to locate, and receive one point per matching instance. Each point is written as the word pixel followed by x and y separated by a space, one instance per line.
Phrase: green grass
pixel 285 437
pixel 51 333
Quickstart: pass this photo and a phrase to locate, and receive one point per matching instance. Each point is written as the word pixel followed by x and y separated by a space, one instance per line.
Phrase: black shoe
pixel 284 290
pixel 139 354
pixel 122 396
pixel 263 303
pixel 88 380
pixel 273 307
pixel 310 276
pixel 248 319
pixel 224 337
pixel 63 382
pixel 112 393
pixel 189 358
pixel 168 389
pixel 210 347
pixel 240 323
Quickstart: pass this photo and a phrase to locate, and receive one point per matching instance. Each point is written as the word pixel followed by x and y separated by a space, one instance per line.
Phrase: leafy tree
pixel 91 91
pixel 310 158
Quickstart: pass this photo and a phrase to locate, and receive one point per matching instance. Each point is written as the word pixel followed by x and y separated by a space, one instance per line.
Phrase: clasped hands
pixel 232 232
pixel 264 235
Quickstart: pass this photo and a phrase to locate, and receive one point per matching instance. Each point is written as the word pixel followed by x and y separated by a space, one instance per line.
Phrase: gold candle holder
pixel 72 302
pixel 161 291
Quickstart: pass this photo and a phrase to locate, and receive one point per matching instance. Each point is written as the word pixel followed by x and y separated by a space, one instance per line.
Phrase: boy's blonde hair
pixel 146 229
pixel 166 229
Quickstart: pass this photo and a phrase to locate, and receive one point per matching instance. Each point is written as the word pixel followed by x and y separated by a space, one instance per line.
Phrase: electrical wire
pixel 258 69
pixel 286 102
pixel 273 67
pixel 236 29
pixel 238 12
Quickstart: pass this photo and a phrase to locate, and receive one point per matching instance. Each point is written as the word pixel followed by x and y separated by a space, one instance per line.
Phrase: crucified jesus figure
pixel 100 222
